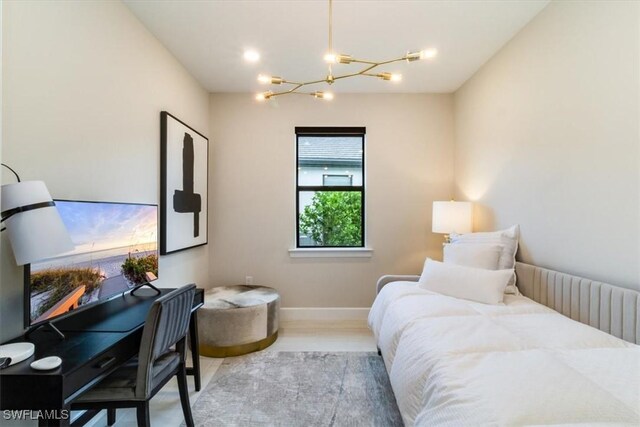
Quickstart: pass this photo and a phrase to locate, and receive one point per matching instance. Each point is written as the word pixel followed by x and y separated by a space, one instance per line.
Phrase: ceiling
pixel 209 37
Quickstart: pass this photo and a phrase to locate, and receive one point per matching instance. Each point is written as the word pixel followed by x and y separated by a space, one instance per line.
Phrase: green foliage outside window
pixel 333 219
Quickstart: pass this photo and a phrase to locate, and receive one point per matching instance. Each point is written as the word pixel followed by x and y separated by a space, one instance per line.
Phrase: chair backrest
pixel 167 323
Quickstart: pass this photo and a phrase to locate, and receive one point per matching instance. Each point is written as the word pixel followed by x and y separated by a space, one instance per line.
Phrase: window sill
pixel 331 253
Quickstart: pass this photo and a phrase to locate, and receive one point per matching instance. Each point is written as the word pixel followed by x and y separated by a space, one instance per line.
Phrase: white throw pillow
pixel 476 256
pixel 508 239
pixel 475 284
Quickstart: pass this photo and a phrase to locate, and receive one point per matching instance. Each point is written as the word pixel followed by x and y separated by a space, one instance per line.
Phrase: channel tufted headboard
pixel 609 308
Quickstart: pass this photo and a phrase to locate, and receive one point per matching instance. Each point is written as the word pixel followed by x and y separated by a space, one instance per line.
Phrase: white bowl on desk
pixel 18 351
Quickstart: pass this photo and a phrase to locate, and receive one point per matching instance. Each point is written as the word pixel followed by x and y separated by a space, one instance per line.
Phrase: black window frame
pixel 335 132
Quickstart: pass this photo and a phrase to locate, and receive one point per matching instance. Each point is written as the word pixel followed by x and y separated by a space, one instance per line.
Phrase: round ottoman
pixel 237 320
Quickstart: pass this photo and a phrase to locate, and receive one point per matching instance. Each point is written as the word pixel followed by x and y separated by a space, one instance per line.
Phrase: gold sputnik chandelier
pixel 332 58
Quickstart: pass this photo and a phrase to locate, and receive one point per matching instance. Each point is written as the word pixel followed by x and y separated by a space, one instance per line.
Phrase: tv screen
pixel 116 248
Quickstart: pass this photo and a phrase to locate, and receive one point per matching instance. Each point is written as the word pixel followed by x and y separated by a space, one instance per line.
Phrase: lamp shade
pixel 452 217
pixel 34 227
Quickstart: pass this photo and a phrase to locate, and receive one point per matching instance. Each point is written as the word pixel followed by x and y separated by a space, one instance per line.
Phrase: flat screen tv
pixel 116 248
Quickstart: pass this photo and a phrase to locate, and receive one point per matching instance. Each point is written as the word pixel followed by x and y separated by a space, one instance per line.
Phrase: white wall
pixel 409 149
pixel 84 84
pixel 547 136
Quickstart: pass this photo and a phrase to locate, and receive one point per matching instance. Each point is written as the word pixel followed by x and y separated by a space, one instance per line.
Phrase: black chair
pixel 135 383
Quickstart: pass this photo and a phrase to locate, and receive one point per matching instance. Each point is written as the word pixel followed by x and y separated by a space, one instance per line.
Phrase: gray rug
pixel 299 389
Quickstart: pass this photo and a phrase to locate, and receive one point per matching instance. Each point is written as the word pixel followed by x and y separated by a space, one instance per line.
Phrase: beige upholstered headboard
pixel 609 308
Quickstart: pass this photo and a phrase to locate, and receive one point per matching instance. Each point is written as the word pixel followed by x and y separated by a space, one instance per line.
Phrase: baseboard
pixel 324 317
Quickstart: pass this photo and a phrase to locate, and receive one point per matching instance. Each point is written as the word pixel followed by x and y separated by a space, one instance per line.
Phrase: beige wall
pixel 409 162
pixel 84 84
pixel 547 136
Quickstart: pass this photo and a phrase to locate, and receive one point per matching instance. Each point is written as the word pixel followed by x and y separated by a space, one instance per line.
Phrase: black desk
pixel 98 340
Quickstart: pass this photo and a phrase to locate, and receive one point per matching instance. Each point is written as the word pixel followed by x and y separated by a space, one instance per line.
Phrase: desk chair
pixel 135 383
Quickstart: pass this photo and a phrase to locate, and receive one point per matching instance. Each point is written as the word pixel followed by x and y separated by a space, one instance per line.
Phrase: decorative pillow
pixel 475 284
pixel 476 256
pixel 508 239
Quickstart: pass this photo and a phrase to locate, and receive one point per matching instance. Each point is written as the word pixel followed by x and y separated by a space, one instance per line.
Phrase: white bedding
pixel 456 362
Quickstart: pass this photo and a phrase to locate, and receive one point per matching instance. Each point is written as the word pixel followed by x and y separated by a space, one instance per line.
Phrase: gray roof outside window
pixel 318 149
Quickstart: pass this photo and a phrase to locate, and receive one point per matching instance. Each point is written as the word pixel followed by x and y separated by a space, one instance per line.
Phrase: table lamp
pixel 36 232
pixel 32 222
pixel 452 217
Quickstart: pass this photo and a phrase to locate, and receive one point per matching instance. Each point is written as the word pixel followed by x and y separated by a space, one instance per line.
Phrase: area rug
pixel 311 389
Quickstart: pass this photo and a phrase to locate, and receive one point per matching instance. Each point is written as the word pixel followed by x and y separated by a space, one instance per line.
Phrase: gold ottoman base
pixel 237 350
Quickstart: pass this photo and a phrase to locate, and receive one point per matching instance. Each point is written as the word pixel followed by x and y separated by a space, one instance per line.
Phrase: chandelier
pixel 332 58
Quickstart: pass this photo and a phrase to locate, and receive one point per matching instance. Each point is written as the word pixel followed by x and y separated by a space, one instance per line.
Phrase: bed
pixel 563 352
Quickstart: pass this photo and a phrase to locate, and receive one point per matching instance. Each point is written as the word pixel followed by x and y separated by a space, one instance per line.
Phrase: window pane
pixel 330 218
pixel 320 156
pixel 329 180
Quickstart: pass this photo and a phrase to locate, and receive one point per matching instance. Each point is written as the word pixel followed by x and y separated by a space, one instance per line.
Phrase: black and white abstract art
pixel 184 156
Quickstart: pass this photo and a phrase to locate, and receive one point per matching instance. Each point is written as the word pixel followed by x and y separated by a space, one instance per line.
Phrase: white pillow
pixel 476 256
pixel 475 284
pixel 508 239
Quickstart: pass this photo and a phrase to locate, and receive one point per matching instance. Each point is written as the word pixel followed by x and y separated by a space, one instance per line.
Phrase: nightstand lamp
pixel 452 217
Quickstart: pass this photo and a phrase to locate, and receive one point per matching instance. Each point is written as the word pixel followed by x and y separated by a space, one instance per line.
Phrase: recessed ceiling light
pixel 251 55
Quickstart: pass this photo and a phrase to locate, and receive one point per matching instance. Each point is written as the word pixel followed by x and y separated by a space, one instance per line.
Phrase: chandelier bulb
pixel 394 77
pixel 423 54
pixel 262 96
pixel 330 58
pixel 270 80
pixel 428 53
pixel 323 95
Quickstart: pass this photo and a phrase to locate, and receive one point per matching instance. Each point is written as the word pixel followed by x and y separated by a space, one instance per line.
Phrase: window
pixel 330 187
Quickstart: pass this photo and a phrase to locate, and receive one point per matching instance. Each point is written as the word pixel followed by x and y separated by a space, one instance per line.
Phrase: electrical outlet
pixel 248 280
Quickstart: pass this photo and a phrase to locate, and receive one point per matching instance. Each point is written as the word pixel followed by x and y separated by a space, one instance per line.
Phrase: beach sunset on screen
pixel 98 226
pixel 115 249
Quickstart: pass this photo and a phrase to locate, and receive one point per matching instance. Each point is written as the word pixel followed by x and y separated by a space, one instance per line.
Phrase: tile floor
pixel 165 406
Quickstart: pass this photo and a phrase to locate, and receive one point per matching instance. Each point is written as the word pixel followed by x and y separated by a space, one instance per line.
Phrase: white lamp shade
pixel 452 217
pixel 38 233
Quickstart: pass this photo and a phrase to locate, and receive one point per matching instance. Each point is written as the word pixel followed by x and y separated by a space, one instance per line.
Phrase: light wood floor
pixel 165 406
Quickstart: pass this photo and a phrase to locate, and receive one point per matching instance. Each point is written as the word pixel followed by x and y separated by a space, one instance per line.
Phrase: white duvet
pixel 455 362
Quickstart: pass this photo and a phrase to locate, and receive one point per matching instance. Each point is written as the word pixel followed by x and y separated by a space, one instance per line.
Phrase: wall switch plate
pixel 248 280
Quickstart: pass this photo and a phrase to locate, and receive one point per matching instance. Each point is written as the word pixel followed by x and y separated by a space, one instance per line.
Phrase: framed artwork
pixel 184 171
